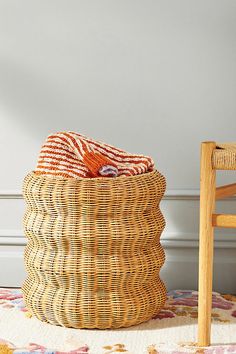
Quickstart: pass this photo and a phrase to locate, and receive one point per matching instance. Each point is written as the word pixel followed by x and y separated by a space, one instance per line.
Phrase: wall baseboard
pixel 179 239
pixel 170 194
pixel 168 239
pixel 180 270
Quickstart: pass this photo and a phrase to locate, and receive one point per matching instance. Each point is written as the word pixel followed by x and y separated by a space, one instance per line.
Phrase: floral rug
pixel 172 331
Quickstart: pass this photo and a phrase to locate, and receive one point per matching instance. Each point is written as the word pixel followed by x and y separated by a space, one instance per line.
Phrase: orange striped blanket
pixel 70 154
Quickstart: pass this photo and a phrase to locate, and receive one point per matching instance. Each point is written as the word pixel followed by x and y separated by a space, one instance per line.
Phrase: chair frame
pixel 209 193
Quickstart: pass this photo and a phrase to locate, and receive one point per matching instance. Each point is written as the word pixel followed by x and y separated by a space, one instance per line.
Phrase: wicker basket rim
pixel 97 179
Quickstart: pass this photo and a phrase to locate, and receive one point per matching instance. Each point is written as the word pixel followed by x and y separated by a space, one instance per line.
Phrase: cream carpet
pixel 173 331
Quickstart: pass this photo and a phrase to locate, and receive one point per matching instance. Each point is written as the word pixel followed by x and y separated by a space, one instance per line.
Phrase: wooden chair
pixel 213 157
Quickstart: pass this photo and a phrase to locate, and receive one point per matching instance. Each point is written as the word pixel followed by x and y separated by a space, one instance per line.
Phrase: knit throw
pixel 74 155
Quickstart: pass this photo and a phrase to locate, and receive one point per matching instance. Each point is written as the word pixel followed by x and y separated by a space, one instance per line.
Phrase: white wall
pixel 152 77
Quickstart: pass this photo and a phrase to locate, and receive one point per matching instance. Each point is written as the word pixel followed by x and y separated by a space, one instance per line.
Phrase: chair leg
pixel 207 206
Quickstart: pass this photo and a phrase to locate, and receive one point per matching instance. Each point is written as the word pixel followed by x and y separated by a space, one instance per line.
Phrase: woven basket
pixel 93 254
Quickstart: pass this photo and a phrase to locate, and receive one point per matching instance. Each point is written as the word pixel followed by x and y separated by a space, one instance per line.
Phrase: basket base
pixel 67 309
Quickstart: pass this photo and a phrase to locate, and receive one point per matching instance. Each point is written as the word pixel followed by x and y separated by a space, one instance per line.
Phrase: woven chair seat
pixel 224 157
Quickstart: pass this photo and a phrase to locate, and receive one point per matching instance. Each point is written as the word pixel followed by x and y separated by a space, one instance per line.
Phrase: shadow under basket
pixel 93 254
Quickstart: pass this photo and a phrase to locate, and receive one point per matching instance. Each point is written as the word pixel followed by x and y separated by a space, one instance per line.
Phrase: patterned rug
pixel 172 331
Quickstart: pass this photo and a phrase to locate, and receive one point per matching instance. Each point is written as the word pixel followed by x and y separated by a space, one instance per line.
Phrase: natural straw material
pixel 93 254
pixel 224 157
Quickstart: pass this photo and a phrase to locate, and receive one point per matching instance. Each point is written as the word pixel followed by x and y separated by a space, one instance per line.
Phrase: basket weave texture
pixel 93 254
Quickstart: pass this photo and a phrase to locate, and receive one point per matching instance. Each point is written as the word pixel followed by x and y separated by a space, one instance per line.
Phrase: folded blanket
pixel 70 154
